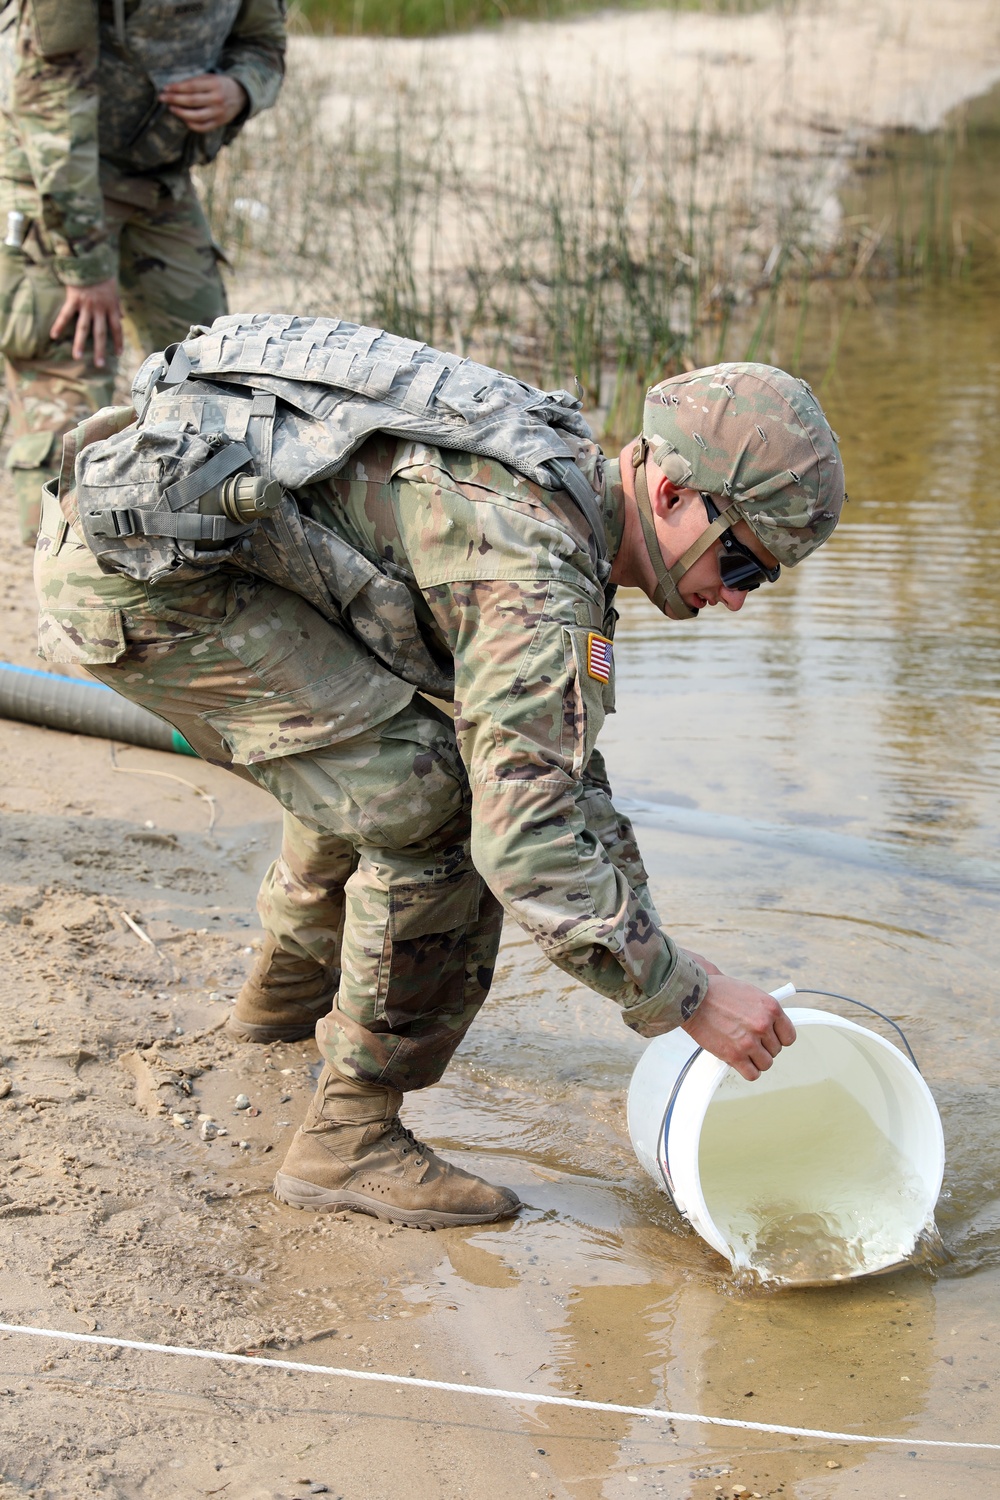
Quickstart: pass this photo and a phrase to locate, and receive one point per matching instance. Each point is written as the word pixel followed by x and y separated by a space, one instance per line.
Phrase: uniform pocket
pixel 423 963
pixel 323 713
pixel 84 636
pixel 30 297
pixel 416 909
pixel 299 682
pixel 32 450
pixel 589 676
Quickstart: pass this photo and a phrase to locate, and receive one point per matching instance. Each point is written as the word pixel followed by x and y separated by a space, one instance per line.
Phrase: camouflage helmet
pixel 756 439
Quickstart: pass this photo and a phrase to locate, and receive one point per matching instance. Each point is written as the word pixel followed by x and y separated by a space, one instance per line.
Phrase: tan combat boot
pixel 351 1152
pixel 283 998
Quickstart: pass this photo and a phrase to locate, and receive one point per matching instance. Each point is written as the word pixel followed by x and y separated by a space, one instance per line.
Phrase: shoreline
pixel 530 196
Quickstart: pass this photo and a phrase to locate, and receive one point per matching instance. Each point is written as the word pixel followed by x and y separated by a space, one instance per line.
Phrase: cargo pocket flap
pixel 31 450
pixel 84 636
pixel 416 910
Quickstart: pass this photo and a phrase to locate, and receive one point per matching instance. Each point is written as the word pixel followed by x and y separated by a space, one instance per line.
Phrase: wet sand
pixel 114 1218
pixel 856 702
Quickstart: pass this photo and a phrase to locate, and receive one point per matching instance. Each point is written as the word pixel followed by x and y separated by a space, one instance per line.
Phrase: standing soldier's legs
pixel 169 279
pixel 48 391
pixel 169 273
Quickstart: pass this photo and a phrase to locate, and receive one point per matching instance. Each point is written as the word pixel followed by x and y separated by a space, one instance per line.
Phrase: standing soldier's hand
pixel 206 102
pixel 742 1025
pixel 96 310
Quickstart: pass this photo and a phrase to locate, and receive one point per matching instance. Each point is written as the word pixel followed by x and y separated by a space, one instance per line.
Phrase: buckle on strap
pixel 113 523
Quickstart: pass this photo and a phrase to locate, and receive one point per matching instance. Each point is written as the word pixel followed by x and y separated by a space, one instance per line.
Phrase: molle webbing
pixel 341 383
pixel 174 522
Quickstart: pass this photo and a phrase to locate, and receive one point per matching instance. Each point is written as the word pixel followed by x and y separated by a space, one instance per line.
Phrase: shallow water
pixel 815 787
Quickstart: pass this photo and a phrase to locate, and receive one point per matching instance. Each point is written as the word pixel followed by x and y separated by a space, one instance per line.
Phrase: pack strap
pixel 570 477
pixel 186 527
pixel 219 467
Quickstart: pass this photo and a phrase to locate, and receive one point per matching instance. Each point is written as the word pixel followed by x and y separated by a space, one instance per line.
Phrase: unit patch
pixel 599 650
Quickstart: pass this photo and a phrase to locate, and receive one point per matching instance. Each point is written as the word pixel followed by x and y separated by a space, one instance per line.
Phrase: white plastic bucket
pixel 676 1085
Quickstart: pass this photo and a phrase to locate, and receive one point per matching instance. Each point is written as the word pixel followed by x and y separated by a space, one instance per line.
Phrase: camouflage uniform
pixel 100 170
pixel 407 834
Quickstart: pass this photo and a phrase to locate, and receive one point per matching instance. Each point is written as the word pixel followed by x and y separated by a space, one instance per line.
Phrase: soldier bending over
pixel 311 526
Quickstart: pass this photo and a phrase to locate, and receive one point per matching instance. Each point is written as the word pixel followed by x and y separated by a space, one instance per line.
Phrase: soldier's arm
pixel 527 714
pixel 53 110
pixel 254 54
pixel 612 828
pixel 735 1021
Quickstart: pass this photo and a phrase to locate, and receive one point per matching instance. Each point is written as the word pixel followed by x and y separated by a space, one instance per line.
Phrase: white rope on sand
pixel 537 1398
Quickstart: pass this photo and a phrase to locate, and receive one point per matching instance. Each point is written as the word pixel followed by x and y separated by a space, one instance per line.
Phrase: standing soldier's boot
pixel 283 998
pixel 352 1152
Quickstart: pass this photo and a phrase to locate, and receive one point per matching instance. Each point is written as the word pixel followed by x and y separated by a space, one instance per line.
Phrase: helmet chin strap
pixel 668 579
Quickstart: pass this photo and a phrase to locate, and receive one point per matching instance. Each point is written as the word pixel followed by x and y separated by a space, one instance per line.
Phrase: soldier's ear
pixel 666 497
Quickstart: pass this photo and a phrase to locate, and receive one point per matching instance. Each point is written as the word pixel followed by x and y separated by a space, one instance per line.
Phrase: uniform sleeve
pixel 254 53
pixel 545 834
pixel 53 112
pixel 613 829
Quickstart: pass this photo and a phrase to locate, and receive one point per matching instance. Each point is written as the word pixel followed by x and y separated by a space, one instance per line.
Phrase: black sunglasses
pixel 738 567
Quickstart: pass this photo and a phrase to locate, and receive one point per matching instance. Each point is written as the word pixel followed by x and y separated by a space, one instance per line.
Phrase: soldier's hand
pixel 97 312
pixel 742 1025
pixel 206 102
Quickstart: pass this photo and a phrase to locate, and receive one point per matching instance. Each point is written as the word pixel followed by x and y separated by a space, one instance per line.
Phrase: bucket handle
pixel 830 995
pixel 662 1159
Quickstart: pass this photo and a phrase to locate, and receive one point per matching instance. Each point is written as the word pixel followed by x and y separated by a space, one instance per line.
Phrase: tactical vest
pixel 144 47
pixel 290 399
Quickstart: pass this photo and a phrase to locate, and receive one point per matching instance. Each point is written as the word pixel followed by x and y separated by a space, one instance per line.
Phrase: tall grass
pixel 430 17
pixel 597 246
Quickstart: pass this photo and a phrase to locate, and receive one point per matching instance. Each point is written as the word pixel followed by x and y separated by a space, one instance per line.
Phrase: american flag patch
pixel 599 650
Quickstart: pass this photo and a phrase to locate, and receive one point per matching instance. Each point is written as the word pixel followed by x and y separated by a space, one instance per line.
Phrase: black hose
pixel 83 708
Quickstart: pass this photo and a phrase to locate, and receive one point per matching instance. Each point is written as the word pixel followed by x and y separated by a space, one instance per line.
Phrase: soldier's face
pixel 680 520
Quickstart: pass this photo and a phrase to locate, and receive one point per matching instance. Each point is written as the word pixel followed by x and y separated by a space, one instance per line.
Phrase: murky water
pixel 804 1185
pixel 815 785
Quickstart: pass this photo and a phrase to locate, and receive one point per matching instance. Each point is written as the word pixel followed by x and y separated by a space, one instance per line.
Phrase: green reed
pixel 925 205
pixel 431 17
pixel 600 249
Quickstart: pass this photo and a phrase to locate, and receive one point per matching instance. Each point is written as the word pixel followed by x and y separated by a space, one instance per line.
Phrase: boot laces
pixel 401 1132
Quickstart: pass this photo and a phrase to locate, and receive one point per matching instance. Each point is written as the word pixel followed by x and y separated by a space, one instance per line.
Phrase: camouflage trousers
pixel 169 279
pixel 375 875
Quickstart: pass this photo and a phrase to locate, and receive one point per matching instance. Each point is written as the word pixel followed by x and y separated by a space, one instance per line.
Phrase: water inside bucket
pixel 804 1184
